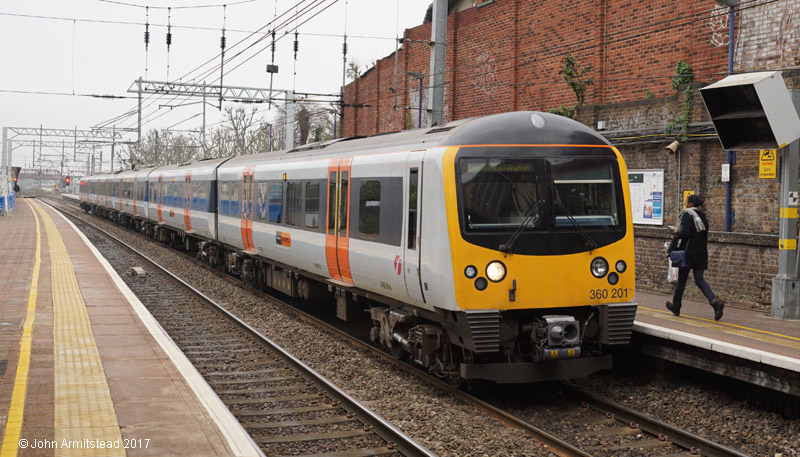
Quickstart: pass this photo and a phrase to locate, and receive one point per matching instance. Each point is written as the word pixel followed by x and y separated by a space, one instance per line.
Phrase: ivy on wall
pixel 574 76
pixel 683 76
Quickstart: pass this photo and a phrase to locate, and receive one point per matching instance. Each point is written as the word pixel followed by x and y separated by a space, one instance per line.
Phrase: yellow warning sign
pixel 768 163
pixel 686 194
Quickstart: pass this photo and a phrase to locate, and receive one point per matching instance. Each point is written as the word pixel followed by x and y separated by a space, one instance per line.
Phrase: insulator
pixel 296 45
pixel 222 42
pixel 169 38
pixel 147 38
pixel 344 48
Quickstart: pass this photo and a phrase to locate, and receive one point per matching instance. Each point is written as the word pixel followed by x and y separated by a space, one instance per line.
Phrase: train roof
pixel 514 128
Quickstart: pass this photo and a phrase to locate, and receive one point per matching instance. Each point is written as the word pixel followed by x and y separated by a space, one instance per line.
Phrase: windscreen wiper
pixel 530 216
pixel 590 243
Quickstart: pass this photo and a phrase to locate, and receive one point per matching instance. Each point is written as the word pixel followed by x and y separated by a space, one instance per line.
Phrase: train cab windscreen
pixel 542 204
pixel 584 193
pixel 499 194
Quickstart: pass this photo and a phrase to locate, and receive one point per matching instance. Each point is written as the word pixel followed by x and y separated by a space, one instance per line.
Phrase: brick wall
pixel 507 56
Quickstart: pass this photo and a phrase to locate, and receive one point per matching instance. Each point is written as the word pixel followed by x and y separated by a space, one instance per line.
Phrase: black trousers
pixel 683 277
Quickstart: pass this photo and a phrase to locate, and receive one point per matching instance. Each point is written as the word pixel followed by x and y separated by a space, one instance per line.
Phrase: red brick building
pixel 507 55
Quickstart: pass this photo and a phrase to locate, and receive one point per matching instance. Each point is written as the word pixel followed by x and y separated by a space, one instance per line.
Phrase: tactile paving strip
pixel 84 412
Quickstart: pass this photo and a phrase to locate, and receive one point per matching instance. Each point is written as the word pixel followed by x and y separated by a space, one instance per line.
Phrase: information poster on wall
pixel 647 196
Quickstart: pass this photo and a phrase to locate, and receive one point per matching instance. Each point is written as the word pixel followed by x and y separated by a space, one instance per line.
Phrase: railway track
pixel 285 406
pixel 597 428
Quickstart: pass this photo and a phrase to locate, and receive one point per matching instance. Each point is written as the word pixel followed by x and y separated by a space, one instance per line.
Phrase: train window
pixel 500 194
pixel 343 204
pixel 262 202
pixel 332 204
pixel 369 208
pixel 275 202
pixel 236 198
pixel 247 197
pixel 294 203
pixel 413 181
pixel 584 193
pixel 224 198
pixel 312 205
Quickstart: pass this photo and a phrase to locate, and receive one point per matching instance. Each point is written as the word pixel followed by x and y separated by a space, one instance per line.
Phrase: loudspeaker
pixel 752 111
pixel 672 147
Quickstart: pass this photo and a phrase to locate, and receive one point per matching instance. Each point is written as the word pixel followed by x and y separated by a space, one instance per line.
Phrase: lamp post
pixel 420 77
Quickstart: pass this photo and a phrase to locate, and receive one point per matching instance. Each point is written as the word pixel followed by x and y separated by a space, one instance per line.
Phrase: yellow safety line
pixel 17 408
pixel 84 410
pixel 722 325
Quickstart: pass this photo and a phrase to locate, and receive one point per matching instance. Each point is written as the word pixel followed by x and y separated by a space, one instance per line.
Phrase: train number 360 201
pixel 600 294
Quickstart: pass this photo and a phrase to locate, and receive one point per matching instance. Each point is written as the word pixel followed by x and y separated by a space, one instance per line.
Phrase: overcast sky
pixel 55 48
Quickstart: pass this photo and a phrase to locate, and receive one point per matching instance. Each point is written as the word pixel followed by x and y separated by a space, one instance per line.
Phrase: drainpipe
pixel 731 155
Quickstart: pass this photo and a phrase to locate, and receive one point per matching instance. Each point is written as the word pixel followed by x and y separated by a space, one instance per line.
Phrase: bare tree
pixel 313 123
pixel 241 133
pixel 163 148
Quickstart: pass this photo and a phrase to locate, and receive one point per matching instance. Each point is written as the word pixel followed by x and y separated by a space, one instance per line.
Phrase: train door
pixel 187 202
pixel 337 239
pixel 413 207
pixel 247 210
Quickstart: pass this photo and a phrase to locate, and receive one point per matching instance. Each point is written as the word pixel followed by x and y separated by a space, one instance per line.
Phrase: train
pixel 496 248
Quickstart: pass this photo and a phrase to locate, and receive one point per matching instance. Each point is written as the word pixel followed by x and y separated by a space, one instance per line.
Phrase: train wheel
pixel 397 350
pixel 454 379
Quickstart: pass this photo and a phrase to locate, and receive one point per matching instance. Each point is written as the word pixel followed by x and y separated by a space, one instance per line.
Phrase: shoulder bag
pixel 678 258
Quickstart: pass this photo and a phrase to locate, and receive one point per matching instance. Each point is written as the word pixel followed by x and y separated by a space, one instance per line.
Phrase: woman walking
pixel 691 236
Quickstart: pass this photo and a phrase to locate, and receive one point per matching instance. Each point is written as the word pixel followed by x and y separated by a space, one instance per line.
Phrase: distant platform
pixel 84 367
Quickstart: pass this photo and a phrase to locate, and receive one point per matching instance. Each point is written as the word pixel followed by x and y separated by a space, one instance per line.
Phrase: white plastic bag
pixel 672 272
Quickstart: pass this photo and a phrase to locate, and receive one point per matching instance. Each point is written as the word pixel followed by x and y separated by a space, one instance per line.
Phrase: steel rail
pixel 656 427
pixel 554 444
pixel 380 426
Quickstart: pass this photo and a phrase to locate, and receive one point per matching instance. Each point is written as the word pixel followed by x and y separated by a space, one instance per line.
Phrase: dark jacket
pixel 697 255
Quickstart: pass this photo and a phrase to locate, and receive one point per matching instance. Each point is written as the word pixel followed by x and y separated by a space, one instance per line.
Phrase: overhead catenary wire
pixel 287 21
pixel 176 7
pixel 208 72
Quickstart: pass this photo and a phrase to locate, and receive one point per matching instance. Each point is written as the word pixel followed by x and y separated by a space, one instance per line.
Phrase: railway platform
pixel 84 368
pixel 745 344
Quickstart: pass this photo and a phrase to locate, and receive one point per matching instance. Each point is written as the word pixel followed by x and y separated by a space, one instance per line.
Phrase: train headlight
pixel 470 272
pixel 599 267
pixel 481 283
pixel 613 279
pixel 496 271
pixel 621 266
